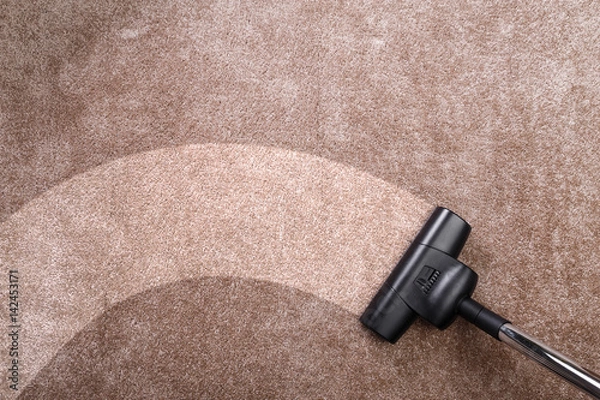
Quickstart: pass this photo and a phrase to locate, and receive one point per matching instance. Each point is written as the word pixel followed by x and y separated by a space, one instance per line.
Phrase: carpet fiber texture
pixel 199 198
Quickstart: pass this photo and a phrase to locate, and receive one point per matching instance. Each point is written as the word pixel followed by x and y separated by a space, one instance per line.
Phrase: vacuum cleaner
pixel 429 282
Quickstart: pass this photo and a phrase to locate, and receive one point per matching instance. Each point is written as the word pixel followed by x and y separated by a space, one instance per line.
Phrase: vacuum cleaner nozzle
pixel 429 282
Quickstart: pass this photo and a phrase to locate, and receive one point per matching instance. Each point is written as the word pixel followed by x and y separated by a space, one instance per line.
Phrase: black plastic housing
pixel 428 281
pixel 486 320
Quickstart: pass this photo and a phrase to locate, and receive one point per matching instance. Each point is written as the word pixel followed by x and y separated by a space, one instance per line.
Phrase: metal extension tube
pixel 554 361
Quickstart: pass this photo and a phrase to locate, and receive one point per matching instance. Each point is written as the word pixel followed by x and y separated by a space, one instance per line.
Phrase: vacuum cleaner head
pixel 429 282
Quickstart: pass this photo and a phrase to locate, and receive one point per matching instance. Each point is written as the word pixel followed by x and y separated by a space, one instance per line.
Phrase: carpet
pixel 199 198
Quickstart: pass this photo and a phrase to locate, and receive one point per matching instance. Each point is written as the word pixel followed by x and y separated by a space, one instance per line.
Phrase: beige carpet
pixel 201 197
